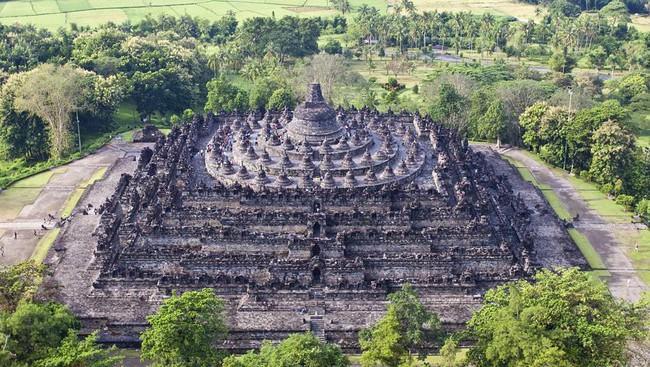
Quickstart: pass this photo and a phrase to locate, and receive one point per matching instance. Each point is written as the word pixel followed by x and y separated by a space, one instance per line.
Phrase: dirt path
pixel 20 234
pixel 624 281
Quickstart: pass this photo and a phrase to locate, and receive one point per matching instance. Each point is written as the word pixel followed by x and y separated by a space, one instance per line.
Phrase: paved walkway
pixel 624 281
pixel 17 234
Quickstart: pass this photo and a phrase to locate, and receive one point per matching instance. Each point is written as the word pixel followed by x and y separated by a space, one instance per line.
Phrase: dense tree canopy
pixel 564 318
pixel 406 327
pixel 185 330
pixel 33 329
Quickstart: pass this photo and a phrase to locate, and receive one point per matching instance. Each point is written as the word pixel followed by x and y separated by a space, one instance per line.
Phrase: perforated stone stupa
pixel 304 221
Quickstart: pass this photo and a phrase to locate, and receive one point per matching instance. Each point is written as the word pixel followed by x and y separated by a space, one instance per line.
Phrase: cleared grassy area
pixel 53 14
pixel 44 244
pixel 23 192
pixel 496 7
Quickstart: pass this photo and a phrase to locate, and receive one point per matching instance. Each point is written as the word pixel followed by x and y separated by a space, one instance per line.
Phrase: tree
pixel 517 96
pixel 341 5
pixel 22 135
pixel 530 122
pixel 261 93
pixel 223 96
pixel 296 350
pixel 80 353
pixel 492 123
pixel 333 47
pixel 280 99
pixel 165 90
pixel 53 93
pixel 326 70
pixel 448 107
pixel 616 12
pixel 185 330
pixel 33 329
pixel 612 149
pixel 562 61
pixel 407 326
pixel 19 282
pixel 563 318
pixel 597 57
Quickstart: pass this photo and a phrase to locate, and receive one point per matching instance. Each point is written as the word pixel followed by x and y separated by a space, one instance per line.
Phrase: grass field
pixel 24 192
pixel 58 13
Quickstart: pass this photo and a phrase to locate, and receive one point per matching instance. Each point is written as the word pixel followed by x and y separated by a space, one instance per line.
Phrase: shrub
pixel 625 200
pixel 643 208
pixel 333 47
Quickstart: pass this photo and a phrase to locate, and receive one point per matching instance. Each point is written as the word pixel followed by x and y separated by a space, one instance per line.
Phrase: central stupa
pixel 314 120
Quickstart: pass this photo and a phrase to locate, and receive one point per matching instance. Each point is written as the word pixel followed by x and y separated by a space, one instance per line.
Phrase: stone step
pixel 317 326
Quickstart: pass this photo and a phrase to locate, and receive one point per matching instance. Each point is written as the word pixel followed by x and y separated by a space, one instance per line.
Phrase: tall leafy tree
pixel 53 93
pixel 406 327
pixel 612 150
pixel 563 318
pixel 223 96
pixel 33 329
pixel 22 135
pixel 185 330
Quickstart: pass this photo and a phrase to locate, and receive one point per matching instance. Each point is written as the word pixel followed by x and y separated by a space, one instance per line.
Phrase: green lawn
pixel 23 192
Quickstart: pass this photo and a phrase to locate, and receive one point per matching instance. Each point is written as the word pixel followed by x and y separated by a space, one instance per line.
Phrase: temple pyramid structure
pixel 304 221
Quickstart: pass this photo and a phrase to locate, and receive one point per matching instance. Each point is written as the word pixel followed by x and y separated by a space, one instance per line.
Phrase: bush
pixel 625 200
pixel 333 47
pixel 416 89
pixel 393 85
pixel 607 188
pixel 643 208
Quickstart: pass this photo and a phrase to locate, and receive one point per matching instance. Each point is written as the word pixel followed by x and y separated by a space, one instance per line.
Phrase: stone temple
pixel 304 221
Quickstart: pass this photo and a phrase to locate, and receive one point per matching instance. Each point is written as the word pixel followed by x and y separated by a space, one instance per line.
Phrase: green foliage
pixel 185 330
pixel 288 36
pixel 563 318
pixel 80 353
pixel 487 118
pixel 627 201
pixel 280 99
pixel 406 327
pixel 562 61
pixel 643 208
pixel 34 329
pixel 223 96
pixel 448 107
pixel 616 11
pixel 261 93
pixel 333 46
pixel 630 86
pixel 19 282
pixel 298 350
pixel 449 353
pixel 21 135
pixel 612 150
pixel 53 93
